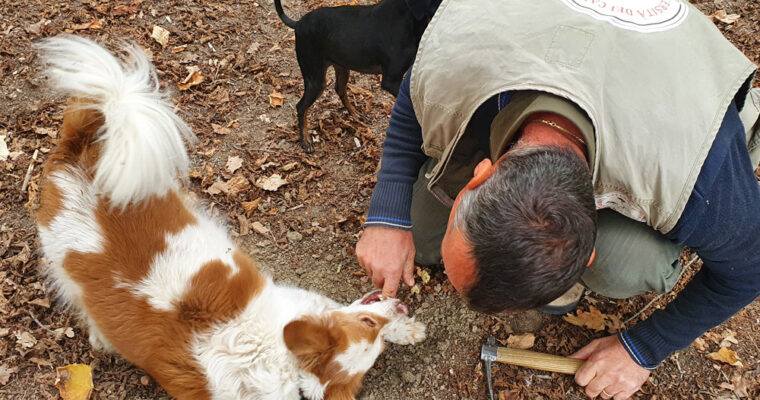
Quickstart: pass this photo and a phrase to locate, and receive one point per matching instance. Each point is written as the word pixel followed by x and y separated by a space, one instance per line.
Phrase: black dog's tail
pixel 285 19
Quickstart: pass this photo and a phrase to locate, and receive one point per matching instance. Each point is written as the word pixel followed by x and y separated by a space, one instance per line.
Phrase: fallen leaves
pixel 74 381
pixel 4 152
pixel 193 78
pixel 739 385
pixel 25 339
pixel 727 356
pixel 521 342
pixel 260 228
pixel 724 17
pixel 5 373
pixel 160 35
pixel 276 99
pixel 594 319
pixel 271 183
pixel 250 206
pixel 232 187
pixel 96 24
pixel 233 164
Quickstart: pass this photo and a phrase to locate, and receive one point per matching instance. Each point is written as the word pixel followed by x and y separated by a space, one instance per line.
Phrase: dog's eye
pixel 369 321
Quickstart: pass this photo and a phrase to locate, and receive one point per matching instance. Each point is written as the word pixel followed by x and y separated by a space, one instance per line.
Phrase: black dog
pixel 380 38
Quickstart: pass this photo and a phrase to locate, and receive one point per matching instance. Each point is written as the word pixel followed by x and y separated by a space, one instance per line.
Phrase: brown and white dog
pixel 161 283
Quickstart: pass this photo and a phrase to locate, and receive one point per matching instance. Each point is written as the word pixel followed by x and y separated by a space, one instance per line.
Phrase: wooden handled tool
pixel 525 358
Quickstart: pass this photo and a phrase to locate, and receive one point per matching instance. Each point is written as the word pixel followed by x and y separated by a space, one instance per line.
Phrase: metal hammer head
pixel 488 355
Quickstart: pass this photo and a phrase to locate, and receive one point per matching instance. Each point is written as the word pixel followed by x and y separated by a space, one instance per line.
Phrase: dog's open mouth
pixel 373 297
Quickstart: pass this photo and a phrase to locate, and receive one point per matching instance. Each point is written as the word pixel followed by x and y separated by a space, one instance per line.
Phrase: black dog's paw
pixel 307 145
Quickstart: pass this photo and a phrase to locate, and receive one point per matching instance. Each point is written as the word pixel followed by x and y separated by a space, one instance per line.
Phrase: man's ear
pixel 483 171
pixel 308 339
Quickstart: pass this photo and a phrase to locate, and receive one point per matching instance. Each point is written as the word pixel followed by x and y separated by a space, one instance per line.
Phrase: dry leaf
pixel 249 206
pixel 94 25
pixel 179 49
pixel 237 184
pixel 700 345
pixel 722 16
pixel 5 373
pixel 161 36
pixel 415 289
pixel 43 302
pixel 508 394
pixel 243 225
pixel 220 130
pixel 217 187
pixel 592 319
pixel 729 338
pixel 37 28
pixel 424 275
pixel 253 48
pixel 74 381
pixel 521 342
pixel 271 183
pixel 193 78
pixel 4 153
pixel 123 9
pixel 726 355
pixel 276 98
pixel 233 164
pixel 260 228
pixel 289 167
pixel 219 96
pixel 26 340
pixel 53 133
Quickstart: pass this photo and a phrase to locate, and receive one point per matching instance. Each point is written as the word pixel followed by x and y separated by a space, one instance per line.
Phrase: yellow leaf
pixel 74 381
pixel 94 25
pixel 726 355
pixel 424 275
pixel 276 98
pixel 160 35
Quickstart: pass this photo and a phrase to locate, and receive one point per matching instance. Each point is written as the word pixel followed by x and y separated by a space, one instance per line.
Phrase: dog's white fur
pixel 142 153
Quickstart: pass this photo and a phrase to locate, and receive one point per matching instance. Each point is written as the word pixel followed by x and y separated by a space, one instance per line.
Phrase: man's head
pixel 522 232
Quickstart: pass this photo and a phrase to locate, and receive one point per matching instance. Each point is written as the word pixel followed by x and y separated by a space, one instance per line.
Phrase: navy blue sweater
pixel 721 222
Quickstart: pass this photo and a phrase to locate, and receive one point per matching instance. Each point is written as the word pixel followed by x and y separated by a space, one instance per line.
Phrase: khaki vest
pixel 656 99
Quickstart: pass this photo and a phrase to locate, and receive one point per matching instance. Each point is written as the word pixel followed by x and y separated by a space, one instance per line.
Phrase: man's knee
pixel 631 258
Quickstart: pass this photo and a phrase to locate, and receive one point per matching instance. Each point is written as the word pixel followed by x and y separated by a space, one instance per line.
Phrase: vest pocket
pixel 569 46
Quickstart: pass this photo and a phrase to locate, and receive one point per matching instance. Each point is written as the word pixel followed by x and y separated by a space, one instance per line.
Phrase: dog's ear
pixel 310 339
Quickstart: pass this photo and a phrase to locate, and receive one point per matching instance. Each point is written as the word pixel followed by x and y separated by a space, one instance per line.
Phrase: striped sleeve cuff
pixel 636 351
pixel 390 206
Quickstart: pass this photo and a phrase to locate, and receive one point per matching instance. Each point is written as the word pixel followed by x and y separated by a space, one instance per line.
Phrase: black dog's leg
pixel 313 71
pixel 392 77
pixel 341 82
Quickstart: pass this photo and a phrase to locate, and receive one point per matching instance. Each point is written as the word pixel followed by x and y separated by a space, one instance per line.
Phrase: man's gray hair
pixel 531 227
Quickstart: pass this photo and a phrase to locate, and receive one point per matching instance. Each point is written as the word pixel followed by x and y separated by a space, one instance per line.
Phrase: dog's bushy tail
pixel 285 19
pixel 141 151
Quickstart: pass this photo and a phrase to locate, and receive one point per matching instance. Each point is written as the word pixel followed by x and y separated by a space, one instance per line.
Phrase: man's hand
pixel 387 255
pixel 609 372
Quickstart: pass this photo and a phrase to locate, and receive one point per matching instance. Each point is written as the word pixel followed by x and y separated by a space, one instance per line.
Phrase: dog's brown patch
pixel 317 341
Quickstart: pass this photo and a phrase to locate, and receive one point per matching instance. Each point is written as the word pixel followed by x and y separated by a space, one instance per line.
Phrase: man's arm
pixel 722 223
pixel 386 250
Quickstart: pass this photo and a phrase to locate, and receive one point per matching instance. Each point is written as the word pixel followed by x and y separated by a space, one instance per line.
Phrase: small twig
pixel 693 259
pixel 29 171
pixel 39 323
pixel 296 207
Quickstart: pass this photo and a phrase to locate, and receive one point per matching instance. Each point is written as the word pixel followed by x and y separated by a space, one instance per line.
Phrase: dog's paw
pixel 307 145
pixel 405 331
pixel 99 342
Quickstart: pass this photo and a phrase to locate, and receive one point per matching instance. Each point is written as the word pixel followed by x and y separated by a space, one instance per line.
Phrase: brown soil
pixel 245 53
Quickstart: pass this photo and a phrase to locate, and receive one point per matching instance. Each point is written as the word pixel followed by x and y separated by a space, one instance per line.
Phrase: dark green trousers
pixel 631 257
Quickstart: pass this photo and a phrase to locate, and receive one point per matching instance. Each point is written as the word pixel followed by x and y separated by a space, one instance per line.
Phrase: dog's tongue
pixel 373 297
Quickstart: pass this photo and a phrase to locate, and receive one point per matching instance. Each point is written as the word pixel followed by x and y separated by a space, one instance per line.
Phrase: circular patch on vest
pixel 635 15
